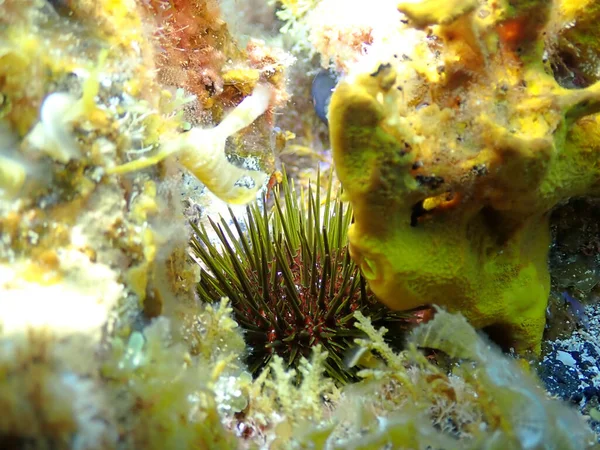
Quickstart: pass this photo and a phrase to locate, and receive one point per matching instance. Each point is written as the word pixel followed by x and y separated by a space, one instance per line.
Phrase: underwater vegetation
pixel 486 401
pixel 290 280
pixel 454 151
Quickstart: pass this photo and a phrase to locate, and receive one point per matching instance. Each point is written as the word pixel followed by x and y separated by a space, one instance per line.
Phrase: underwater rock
pixel 570 369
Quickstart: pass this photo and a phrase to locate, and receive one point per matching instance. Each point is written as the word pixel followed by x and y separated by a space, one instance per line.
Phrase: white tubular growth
pixel 202 152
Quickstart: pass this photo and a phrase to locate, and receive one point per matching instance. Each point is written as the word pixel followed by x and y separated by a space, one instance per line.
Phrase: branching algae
pixel 486 402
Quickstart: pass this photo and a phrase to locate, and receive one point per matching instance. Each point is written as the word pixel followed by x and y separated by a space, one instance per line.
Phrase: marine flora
pixel 486 400
pixel 453 152
pixel 168 383
pixel 290 279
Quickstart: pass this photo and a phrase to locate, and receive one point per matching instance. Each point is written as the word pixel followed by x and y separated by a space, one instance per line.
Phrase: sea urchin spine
pixel 290 279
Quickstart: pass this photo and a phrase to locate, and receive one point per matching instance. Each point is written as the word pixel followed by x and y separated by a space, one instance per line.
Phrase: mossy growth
pixel 290 279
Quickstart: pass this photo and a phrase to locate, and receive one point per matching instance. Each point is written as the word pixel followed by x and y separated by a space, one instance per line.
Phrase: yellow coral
pixel 452 172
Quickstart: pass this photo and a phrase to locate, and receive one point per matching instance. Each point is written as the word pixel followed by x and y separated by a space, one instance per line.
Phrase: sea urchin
pixel 290 279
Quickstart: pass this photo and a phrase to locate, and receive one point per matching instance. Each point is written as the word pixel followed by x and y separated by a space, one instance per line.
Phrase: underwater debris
pixel 290 279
